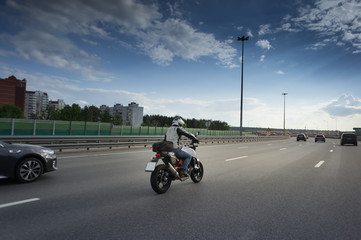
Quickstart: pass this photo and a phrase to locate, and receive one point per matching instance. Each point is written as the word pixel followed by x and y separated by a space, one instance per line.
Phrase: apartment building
pixel 60 104
pixel 132 115
pixel 36 103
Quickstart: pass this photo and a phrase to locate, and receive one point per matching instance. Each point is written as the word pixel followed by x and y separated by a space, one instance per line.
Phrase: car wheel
pixel 29 170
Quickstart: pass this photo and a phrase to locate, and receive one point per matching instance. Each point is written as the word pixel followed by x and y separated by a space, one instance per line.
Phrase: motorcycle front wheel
pixel 197 175
pixel 160 179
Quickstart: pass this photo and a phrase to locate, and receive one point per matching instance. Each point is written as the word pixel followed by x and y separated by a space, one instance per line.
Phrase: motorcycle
pixel 168 170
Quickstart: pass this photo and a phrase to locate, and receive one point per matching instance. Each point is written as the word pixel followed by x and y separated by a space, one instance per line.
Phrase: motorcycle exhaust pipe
pixel 173 171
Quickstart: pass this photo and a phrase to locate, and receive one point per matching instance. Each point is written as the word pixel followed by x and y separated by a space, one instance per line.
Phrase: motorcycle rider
pixel 173 134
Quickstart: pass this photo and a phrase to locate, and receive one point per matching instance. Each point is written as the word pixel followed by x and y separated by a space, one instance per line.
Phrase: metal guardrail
pixel 87 142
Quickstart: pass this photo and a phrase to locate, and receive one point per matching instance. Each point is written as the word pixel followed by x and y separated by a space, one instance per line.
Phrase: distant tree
pixel 85 114
pixel 65 113
pixel 76 112
pixel 192 123
pixel 218 125
pixel 10 111
pixel 117 119
pixel 94 114
pixel 52 113
pixel 163 121
pixel 202 123
pixel 146 120
pixel 71 113
pixel 106 117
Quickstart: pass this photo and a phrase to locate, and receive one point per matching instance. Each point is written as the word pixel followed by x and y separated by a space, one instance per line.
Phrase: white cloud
pixel 83 103
pixel 316 46
pixel 47 25
pixel 279 72
pixel 264 29
pixel 340 19
pixel 162 43
pixel 249 33
pixel 345 105
pixel 262 58
pixel 264 44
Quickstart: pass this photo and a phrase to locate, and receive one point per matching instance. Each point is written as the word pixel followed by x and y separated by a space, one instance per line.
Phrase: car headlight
pixel 47 153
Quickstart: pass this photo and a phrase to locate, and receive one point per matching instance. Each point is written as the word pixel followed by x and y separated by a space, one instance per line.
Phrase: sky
pixel 182 57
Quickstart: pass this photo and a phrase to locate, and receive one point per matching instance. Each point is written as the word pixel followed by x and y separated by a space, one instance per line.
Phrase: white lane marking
pixel 319 164
pixel 19 202
pixel 283 149
pixel 97 155
pixel 242 147
pixel 232 159
pixel 331 150
pixel 270 144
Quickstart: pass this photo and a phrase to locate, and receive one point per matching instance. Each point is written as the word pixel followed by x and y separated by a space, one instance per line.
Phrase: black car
pixel 349 138
pixel 301 137
pixel 26 162
pixel 320 138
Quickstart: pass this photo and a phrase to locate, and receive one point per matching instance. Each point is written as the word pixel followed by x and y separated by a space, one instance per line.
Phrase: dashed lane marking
pixel 19 202
pixel 232 159
pixel 319 164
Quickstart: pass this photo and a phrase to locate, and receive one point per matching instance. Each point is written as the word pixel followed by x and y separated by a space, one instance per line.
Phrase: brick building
pixel 12 91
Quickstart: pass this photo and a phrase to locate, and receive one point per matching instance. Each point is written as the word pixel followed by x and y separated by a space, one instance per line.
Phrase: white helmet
pixel 178 122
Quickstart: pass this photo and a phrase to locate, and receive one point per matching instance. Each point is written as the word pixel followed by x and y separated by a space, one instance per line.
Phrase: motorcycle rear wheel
pixel 160 179
pixel 197 175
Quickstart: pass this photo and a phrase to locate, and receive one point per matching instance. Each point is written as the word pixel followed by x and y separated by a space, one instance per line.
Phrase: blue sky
pixel 183 58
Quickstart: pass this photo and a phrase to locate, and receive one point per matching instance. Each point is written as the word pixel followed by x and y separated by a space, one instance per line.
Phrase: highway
pixel 280 189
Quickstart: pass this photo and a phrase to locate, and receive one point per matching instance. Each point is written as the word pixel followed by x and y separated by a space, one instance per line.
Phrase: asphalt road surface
pixel 280 189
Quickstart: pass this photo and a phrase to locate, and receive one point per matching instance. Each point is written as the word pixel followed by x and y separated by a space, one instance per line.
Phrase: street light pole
pixel 284 113
pixel 243 38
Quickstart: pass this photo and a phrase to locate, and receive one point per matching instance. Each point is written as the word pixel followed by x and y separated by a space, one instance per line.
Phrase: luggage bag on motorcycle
pixel 163 146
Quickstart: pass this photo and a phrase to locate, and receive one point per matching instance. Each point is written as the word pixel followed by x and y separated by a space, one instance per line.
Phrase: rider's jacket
pixel 174 133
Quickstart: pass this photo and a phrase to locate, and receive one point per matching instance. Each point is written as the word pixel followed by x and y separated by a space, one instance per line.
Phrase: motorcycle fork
pixel 195 163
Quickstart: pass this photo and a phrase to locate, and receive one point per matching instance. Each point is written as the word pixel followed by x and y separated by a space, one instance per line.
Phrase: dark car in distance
pixel 24 162
pixel 320 138
pixel 348 138
pixel 301 137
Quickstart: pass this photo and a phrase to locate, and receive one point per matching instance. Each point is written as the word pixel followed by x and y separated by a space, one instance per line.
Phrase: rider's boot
pixel 183 173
